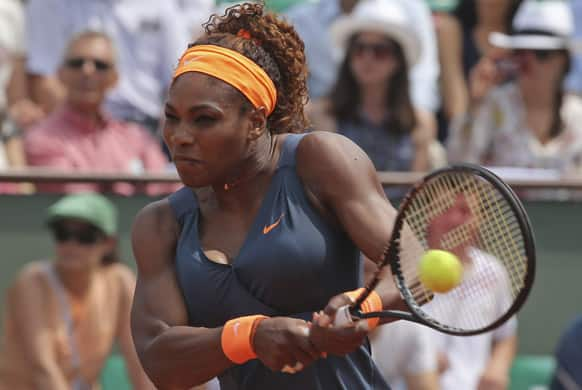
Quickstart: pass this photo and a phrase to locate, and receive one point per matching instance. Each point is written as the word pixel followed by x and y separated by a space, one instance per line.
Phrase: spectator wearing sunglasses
pixel 64 315
pixel 370 102
pixel 528 122
pixel 80 136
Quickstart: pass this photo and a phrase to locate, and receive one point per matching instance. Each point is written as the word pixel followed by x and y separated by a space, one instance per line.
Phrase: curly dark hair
pixel 275 46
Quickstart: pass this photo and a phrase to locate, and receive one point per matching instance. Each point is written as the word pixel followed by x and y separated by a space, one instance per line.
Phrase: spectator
pixel 574 79
pixel 62 317
pixel 196 13
pixel 312 21
pixel 16 112
pixel 479 362
pixel 150 35
pixel 462 41
pixel 568 374
pixel 529 122
pixel 370 102
pixel 79 136
pixel 406 355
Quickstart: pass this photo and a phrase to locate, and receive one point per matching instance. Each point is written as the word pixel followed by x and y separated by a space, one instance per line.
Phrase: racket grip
pixel 343 316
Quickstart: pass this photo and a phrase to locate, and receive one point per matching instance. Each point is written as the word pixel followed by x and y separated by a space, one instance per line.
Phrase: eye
pixel 170 117
pixel 204 120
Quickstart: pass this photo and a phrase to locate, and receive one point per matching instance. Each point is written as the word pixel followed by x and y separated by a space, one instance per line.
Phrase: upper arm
pixel 344 180
pixel 158 303
pixel 27 308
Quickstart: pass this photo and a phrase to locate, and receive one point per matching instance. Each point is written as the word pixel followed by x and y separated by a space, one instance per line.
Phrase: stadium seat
pixel 114 376
pixel 531 372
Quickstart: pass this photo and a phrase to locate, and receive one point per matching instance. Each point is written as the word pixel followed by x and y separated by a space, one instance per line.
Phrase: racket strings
pixel 495 261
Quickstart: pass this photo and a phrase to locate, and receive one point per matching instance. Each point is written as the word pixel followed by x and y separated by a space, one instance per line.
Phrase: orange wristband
pixel 372 303
pixel 237 338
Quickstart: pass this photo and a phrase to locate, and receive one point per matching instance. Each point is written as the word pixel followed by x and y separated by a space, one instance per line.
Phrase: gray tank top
pixel 291 263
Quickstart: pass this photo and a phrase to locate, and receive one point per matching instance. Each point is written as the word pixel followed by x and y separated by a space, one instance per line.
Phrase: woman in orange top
pixel 63 316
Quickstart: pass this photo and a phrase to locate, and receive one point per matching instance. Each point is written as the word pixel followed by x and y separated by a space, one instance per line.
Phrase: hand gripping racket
pixel 469 211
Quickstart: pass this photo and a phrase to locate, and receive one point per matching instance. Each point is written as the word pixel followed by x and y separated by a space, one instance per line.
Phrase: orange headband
pixel 232 68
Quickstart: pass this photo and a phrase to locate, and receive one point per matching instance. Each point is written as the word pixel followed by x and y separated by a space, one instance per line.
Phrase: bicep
pixel 28 309
pixel 345 180
pixel 157 302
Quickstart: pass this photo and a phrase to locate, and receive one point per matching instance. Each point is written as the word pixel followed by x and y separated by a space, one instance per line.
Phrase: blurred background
pixel 83 83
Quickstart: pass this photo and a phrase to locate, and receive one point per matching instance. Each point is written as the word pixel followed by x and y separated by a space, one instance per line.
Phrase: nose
pixel 88 67
pixel 181 135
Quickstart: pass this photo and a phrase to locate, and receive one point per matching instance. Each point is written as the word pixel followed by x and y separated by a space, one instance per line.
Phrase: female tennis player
pixel 267 230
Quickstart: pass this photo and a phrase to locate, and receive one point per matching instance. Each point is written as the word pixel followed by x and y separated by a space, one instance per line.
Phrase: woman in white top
pixel 527 121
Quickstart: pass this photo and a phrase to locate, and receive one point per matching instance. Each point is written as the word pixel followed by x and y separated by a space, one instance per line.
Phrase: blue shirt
pixel 291 263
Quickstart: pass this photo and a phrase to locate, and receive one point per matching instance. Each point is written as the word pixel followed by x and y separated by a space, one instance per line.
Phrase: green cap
pixel 442 5
pixel 89 207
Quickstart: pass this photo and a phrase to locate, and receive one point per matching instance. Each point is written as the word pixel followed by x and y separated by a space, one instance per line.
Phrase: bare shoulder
pixel 31 274
pixel 329 162
pixel 121 274
pixel 155 231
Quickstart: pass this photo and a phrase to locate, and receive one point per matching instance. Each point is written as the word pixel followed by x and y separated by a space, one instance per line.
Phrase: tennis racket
pixel 469 211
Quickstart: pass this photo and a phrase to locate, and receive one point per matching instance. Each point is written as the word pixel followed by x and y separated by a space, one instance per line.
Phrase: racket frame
pixel 391 257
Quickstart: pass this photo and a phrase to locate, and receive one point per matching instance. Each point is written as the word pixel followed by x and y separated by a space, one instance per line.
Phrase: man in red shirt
pixel 80 136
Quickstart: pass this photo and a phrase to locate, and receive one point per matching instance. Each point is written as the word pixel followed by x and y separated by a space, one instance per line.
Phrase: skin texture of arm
pixel 342 178
pixel 138 377
pixel 174 355
pixel 27 307
pixel 496 374
pixel 453 85
pixel 422 381
pixel 422 137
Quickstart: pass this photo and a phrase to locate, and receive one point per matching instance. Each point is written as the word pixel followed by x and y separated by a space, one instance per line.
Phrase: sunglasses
pixel 541 55
pixel 79 62
pixel 88 235
pixel 379 51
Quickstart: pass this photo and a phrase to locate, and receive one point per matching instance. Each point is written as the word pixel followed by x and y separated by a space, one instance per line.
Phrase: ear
pixel 257 123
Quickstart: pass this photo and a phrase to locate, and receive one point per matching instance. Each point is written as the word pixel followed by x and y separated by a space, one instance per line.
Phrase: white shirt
pixel 150 36
pixel 487 291
pixel 499 135
pixel 403 348
pixel 11 41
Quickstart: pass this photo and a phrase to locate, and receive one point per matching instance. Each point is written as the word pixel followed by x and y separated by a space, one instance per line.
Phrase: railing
pixel 403 179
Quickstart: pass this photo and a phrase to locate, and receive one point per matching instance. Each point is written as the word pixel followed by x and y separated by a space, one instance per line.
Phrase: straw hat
pixel 539 25
pixel 382 16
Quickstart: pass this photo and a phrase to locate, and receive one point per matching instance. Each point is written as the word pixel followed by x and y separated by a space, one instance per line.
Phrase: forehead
pixel 73 223
pixel 195 88
pixel 93 47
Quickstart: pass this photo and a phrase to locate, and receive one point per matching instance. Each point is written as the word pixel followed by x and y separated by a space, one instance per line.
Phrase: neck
pixel 76 282
pixel 240 190
pixel 91 114
pixel 373 102
pixel 538 93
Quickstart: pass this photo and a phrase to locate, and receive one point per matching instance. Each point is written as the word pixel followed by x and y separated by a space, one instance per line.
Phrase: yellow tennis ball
pixel 440 271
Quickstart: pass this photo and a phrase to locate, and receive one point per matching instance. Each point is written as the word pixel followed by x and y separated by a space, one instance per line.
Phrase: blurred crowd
pixel 415 83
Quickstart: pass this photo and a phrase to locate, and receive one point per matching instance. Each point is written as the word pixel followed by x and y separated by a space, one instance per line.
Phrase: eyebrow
pixel 196 107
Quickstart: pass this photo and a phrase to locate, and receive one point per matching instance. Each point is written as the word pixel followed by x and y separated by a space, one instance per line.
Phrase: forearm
pixel 182 357
pixel 48 376
pixel 502 354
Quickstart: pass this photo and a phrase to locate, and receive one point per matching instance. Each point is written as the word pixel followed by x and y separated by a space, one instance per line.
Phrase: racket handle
pixel 343 316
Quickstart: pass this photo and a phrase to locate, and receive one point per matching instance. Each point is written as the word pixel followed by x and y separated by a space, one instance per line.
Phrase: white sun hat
pixel 540 25
pixel 382 16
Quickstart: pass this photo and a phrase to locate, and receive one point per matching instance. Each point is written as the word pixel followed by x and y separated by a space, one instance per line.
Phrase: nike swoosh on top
pixel 272 226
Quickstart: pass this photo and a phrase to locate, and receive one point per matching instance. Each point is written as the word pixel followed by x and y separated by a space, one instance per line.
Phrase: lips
pixel 185 160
